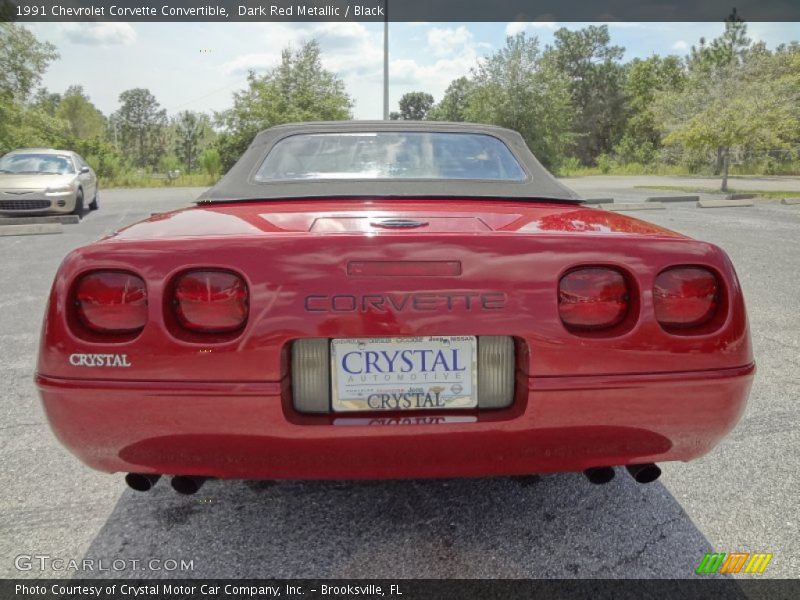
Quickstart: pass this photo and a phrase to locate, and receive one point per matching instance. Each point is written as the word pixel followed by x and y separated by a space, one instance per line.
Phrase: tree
pixel 46 101
pixel 192 135
pixel 592 66
pixel 414 106
pixel 23 61
pixel 141 121
pixel 721 56
pixel 299 89
pixel 453 106
pixel 728 49
pixel 644 79
pixel 83 119
pixel 736 108
pixel 211 162
pixel 516 88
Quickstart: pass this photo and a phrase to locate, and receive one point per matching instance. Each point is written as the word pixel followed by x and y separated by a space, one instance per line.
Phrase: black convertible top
pixel 239 184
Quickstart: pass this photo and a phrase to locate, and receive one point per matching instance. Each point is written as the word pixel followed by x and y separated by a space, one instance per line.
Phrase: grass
pixel 616 168
pixel 626 169
pixel 775 194
pixel 137 180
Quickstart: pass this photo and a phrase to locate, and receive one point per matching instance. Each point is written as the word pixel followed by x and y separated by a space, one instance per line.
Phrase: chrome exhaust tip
pixel 645 473
pixel 187 484
pixel 599 475
pixel 141 482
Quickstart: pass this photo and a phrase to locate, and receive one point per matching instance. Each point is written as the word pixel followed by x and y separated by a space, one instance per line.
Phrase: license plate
pixel 414 373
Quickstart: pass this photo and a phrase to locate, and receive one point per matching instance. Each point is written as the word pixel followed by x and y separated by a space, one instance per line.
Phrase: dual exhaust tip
pixel 191 484
pixel 643 473
pixel 183 484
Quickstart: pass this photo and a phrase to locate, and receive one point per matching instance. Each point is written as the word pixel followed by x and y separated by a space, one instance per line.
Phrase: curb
pixel 619 206
pixel 673 199
pixel 790 201
pixel 598 201
pixel 723 203
pixel 63 219
pixel 740 196
pixel 43 228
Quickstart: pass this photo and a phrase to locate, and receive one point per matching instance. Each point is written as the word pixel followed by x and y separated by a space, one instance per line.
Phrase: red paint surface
pixel 219 404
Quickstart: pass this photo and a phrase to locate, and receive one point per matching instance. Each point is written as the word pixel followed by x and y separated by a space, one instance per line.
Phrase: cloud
pixel 448 41
pixel 99 34
pixel 516 27
pixel 245 63
pixel 354 51
pixel 349 49
pixel 680 45
pixel 456 52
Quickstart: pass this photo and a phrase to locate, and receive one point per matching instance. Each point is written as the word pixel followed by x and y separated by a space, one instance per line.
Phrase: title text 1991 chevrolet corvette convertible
pixel 385 300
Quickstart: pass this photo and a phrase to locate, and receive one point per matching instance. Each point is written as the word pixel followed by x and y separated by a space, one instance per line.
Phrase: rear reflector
pixel 211 301
pixel 311 375
pixel 685 297
pixel 593 298
pixel 111 302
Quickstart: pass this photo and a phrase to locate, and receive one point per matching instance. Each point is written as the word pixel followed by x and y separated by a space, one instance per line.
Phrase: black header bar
pixel 397 10
pixel 398 589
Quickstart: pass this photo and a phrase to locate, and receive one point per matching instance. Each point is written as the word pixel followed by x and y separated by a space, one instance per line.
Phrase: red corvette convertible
pixel 390 300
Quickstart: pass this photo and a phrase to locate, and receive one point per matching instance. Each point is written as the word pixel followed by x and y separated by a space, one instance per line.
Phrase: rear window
pixel 390 155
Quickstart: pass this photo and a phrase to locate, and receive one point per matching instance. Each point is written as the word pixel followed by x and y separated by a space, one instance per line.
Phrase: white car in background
pixel 40 180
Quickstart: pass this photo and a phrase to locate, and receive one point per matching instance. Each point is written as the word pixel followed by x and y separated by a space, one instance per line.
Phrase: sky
pixel 198 66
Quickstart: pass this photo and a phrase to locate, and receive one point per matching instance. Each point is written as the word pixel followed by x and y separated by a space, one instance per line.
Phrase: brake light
pixel 593 298
pixel 111 302
pixel 210 301
pixel 685 297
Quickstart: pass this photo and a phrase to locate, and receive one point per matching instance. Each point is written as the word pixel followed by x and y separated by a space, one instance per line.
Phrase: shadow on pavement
pixel 557 526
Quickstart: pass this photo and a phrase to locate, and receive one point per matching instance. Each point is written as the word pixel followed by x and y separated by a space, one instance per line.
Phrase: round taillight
pixel 593 298
pixel 208 301
pixel 685 297
pixel 111 302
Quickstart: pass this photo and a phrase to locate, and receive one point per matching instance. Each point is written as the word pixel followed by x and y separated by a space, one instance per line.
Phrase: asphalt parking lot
pixel 742 497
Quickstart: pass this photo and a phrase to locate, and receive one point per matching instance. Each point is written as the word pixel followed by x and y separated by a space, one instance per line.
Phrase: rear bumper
pixel 249 431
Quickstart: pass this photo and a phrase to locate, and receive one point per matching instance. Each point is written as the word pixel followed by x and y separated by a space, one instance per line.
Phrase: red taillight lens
pixel 112 302
pixel 685 297
pixel 211 301
pixel 593 298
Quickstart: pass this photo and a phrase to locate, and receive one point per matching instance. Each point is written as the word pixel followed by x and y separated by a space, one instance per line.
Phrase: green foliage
pixel 193 134
pixel 516 88
pixel 299 89
pixel 169 163
pixel 644 80
pixel 141 127
pixel 605 163
pixel 100 154
pixel 83 119
pixel 732 47
pixel 46 101
pixel 748 105
pixel 414 106
pixel 453 106
pixel 591 65
pixel 211 162
pixel 23 60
